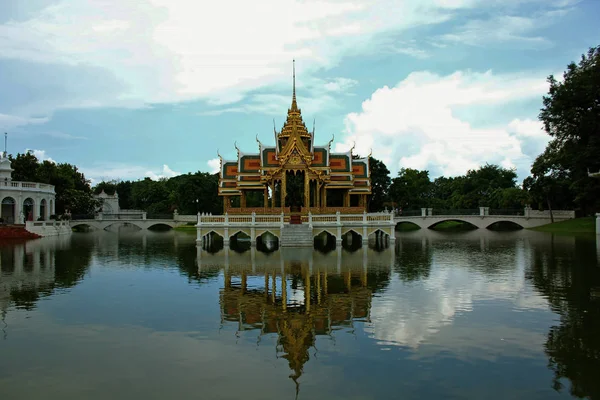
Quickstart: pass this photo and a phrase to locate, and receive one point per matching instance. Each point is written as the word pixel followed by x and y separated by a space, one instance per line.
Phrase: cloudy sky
pixel 127 89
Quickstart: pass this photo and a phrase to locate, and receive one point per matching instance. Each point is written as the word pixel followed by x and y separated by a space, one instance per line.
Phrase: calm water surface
pixel 474 315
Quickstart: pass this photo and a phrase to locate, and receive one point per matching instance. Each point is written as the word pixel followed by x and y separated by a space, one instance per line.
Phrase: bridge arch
pixel 75 224
pixel 111 223
pixel 453 219
pixel 260 233
pixel 351 230
pixel 161 223
pixel 234 232
pixel 319 231
pixel 407 226
pixel 508 224
pixel 213 232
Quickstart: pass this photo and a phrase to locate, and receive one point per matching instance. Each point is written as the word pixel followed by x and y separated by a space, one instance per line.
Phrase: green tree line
pixel 188 194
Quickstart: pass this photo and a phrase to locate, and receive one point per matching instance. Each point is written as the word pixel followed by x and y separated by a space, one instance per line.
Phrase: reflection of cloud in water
pixel 411 312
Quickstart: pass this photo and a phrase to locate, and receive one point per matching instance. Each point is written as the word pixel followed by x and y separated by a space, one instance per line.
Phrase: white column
pixel 365 232
pixel 423 212
pixel 253 230
pixel 338 239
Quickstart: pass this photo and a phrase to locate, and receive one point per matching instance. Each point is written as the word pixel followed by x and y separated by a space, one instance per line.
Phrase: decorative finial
pixel 238 150
pixel 314 122
pixel 294 104
pixel 370 152
pixel 5 139
pixel 259 143
pixel 219 154
pixel 353 146
pixel 331 141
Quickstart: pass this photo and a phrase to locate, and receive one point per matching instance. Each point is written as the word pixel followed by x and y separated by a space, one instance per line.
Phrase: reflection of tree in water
pixel 413 261
pixel 570 280
pixel 58 265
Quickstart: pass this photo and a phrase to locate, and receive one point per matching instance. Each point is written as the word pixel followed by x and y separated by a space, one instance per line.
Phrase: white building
pixel 109 203
pixel 20 201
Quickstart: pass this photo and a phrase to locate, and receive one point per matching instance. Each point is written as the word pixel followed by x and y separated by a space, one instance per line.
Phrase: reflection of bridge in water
pixel 298 294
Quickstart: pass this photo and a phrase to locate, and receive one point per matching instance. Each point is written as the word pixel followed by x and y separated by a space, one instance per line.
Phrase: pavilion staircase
pixel 297 235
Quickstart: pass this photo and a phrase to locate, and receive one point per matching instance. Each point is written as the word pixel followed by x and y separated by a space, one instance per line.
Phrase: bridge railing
pixel 76 217
pixel 506 211
pixel 159 216
pixel 468 211
pixel 407 213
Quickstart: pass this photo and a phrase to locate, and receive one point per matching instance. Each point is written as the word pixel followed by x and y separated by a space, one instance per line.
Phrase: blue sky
pixel 127 89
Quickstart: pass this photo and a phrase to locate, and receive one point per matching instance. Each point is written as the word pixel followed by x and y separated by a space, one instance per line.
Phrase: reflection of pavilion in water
pixel 298 294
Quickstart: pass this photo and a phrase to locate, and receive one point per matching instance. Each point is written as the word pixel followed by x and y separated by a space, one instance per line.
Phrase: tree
pixel 73 191
pixel 411 189
pixel 571 116
pixel 380 184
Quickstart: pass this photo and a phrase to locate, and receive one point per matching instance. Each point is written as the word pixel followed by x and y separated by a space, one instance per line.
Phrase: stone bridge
pixel 528 218
pixel 141 222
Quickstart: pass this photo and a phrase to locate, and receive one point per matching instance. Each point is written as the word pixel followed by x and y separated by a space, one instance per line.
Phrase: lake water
pixel 492 315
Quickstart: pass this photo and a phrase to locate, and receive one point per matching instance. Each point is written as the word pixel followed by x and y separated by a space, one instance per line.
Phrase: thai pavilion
pixel 294 174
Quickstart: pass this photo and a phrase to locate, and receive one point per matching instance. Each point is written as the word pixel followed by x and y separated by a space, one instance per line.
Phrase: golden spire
pixel 294 123
pixel 294 104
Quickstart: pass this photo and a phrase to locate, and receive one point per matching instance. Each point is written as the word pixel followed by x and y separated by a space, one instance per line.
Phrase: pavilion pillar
pixel 306 190
pixel 266 197
pixel 318 194
pixel 243 199
pixel 283 190
pixel 225 204
pixel 272 186
pixel 244 282
pixel 324 196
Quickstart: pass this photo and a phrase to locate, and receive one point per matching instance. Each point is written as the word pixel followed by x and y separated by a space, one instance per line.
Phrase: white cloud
pixel 422 309
pixel 165 173
pixel 11 121
pixel 214 165
pixel 41 155
pixel 123 172
pixel 514 29
pixel 414 125
pixel 173 50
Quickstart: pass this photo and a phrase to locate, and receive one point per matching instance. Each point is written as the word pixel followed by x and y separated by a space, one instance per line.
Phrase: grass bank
pixel 186 228
pixel 577 225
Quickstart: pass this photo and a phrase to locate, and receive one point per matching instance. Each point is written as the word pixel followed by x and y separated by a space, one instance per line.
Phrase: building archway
pixel 7 210
pixel 28 205
pixel 43 209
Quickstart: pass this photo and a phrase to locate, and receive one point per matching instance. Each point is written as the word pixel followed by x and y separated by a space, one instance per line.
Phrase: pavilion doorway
pixel 294 184
pixel 7 210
